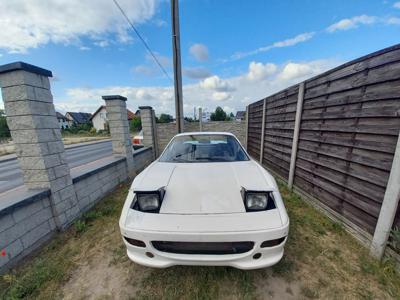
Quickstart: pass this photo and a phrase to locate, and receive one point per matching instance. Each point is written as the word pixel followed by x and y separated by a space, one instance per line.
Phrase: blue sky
pixel 233 52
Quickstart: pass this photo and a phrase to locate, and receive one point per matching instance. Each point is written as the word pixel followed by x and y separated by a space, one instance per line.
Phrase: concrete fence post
pixel 247 126
pixel 34 128
pixel 200 119
pixel 263 130
pixel 149 128
pixel 117 117
pixel 299 110
pixel 388 208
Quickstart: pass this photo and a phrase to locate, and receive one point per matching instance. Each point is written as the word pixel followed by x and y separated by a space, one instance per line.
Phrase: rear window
pixel 204 148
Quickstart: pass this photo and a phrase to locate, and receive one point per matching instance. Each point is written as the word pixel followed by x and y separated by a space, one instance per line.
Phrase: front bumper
pixel 158 259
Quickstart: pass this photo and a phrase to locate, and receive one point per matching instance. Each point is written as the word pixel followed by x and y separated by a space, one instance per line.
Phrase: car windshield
pixel 204 148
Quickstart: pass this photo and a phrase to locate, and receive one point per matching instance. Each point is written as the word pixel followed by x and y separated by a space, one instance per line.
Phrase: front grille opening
pixel 207 248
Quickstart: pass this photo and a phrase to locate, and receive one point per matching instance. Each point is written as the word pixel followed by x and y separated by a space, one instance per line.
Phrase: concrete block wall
pixel 94 184
pixel 26 217
pixel 53 196
pixel 165 132
pixel 25 224
pixel 143 157
pixel 235 127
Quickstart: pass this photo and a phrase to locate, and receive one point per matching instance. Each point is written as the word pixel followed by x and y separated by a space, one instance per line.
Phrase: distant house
pixel 62 121
pixel 77 118
pixel 99 118
pixel 240 115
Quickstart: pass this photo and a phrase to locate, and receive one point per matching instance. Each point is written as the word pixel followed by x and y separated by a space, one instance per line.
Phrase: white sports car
pixel 204 201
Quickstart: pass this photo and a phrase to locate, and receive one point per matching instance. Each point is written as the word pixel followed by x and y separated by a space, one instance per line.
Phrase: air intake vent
pixel 217 248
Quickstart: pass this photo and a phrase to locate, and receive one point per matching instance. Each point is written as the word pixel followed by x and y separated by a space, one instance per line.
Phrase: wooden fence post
pixel 247 125
pixel 296 132
pixel 263 130
pixel 388 208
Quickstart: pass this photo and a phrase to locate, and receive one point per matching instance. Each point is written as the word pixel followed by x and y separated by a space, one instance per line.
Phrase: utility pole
pixel 176 46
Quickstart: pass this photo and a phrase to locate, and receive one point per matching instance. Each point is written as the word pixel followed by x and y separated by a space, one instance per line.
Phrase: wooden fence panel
pixel 254 129
pixel 279 126
pixel 349 127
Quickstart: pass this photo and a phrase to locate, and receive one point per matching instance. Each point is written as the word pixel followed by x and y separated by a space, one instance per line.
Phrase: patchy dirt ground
pixel 89 262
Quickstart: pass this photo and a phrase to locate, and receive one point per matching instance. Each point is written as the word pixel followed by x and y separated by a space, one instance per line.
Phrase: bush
pixel 4 130
pixel 93 130
pixel 164 118
pixel 135 124
pixel 219 115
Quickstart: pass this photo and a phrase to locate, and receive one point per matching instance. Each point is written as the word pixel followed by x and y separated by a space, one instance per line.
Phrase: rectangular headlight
pixel 148 201
pixel 257 200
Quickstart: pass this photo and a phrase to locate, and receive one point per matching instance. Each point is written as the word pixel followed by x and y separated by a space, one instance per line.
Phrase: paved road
pixel 11 176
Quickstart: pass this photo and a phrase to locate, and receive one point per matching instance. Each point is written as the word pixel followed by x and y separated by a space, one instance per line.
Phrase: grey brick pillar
pixel 148 119
pixel 117 117
pixel 35 132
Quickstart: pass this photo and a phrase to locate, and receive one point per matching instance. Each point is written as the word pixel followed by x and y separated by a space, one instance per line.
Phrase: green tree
pixel 4 130
pixel 218 115
pixel 135 124
pixel 164 118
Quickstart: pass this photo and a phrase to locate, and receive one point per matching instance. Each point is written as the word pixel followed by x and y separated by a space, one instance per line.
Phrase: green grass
pixel 41 276
pixel 321 261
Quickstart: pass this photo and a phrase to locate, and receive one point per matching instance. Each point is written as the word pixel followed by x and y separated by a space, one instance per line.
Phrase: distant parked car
pixel 137 140
pixel 204 201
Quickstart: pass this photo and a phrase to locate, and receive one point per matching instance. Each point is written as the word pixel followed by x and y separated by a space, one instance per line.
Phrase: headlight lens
pixel 148 202
pixel 256 201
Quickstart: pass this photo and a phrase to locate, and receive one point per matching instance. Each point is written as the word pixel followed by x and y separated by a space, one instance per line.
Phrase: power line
pixel 143 41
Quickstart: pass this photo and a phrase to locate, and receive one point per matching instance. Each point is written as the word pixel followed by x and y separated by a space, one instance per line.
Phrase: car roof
pixel 205 133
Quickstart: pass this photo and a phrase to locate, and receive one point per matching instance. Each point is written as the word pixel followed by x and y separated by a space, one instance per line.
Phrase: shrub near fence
pixel 349 126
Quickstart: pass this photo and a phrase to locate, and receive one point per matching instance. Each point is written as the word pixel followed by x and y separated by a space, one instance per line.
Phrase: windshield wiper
pixel 182 154
pixel 177 159
pixel 211 159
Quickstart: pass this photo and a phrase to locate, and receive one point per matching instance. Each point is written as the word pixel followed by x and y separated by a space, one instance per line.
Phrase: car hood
pixel 203 188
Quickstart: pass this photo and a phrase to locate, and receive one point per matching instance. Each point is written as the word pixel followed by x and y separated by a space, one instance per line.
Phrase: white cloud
pixel 150 68
pixel 84 48
pixel 354 22
pixel 143 95
pixel 102 44
pixel 145 70
pixel 160 23
pixel 293 41
pixel 29 24
pixel 221 96
pixel 234 92
pixel 260 71
pixel 196 73
pixel 396 5
pixel 285 43
pixel 393 21
pixel 217 84
pixel 199 52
